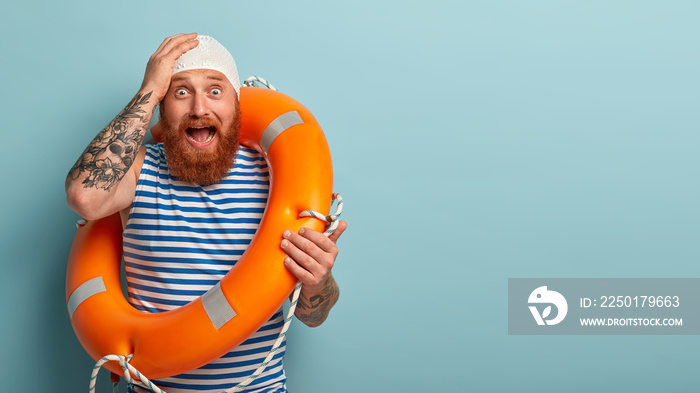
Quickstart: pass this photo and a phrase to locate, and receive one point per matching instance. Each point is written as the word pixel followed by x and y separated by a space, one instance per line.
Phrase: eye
pixel 180 92
pixel 216 91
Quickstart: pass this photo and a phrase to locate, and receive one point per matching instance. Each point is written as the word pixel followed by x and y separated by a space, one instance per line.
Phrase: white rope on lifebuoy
pixel 332 219
pixel 250 82
pixel 128 370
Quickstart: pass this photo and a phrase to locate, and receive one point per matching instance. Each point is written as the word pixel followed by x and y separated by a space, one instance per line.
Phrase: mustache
pixel 199 122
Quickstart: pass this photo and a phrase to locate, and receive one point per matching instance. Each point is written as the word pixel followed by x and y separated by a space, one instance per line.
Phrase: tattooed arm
pixel 103 180
pixel 311 256
pixel 94 184
pixel 313 308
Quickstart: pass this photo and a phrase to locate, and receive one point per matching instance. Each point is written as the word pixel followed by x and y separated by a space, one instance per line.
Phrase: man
pixel 191 205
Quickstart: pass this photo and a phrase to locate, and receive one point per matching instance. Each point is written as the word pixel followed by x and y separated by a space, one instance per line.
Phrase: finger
pixel 302 257
pixel 166 44
pixel 342 226
pixel 299 272
pixel 173 41
pixel 162 44
pixel 181 48
pixel 319 239
pixel 310 247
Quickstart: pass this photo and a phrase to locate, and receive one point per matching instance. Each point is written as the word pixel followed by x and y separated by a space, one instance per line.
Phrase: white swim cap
pixel 209 55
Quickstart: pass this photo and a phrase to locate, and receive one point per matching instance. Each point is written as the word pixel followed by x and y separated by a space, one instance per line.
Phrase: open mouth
pixel 200 135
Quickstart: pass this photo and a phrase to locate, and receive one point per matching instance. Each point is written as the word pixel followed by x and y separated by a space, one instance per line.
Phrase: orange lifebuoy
pixel 180 340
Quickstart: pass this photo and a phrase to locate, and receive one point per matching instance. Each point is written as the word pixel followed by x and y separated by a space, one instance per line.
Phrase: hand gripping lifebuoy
pixel 180 340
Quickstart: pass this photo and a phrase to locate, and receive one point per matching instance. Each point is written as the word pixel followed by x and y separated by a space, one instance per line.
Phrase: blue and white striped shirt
pixel 181 239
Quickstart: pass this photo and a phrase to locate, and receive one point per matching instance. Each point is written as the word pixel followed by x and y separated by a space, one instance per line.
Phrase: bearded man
pixel 191 205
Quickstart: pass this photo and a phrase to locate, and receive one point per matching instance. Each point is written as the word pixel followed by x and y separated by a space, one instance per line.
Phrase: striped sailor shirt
pixel 180 240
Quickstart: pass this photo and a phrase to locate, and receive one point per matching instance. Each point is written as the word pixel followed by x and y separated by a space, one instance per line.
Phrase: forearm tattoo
pixel 314 310
pixel 110 155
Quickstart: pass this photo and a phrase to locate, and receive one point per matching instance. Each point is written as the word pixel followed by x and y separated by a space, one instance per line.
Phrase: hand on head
pixel 160 66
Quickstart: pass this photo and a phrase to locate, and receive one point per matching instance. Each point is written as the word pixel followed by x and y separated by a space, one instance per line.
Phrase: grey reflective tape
pixel 90 287
pixel 278 126
pixel 217 307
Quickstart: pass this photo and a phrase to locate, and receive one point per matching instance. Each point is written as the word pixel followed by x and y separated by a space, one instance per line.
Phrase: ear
pixel 156 132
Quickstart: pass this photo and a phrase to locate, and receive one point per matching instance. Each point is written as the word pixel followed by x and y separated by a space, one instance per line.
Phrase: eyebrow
pixel 177 77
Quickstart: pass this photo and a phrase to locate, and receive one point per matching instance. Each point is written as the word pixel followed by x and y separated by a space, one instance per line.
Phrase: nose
pixel 200 107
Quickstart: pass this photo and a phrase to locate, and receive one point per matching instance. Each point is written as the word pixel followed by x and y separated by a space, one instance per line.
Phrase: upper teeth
pixel 209 138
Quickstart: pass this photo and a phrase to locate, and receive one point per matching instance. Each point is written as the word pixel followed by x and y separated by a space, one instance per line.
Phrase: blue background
pixel 472 140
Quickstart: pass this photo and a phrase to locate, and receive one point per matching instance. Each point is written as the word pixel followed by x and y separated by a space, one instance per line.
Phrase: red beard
pixel 203 167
